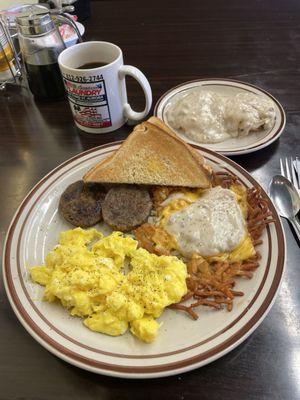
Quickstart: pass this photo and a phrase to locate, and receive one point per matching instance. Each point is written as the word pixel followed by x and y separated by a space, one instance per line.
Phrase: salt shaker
pixel 41 44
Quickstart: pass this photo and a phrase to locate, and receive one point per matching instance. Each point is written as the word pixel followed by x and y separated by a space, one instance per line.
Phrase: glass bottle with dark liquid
pixel 44 80
pixel 41 44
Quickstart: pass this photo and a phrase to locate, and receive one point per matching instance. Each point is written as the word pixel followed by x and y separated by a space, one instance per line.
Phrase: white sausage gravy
pixel 209 117
pixel 211 225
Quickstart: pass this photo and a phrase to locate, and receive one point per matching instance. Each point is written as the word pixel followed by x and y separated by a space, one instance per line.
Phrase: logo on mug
pixel 88 100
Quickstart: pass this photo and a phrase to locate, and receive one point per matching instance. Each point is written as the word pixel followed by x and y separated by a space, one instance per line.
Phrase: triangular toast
pixel 152 155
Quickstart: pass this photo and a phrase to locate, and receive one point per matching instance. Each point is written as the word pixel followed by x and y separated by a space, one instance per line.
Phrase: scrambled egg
pixel 86 272
pixel 179 201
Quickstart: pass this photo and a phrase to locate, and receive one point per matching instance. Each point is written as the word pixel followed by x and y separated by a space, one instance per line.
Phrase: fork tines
pixel 287 169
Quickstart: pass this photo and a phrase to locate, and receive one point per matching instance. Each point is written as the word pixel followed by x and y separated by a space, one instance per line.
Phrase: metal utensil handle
pixel 295 224
pixel 67 20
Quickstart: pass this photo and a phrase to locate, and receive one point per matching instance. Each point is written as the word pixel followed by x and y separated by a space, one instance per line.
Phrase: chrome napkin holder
pixel 14 62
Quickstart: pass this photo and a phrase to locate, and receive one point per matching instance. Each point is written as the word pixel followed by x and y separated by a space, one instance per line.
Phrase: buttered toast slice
pixel 152 155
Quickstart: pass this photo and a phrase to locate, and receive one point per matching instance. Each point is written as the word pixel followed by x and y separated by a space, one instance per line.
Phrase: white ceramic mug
pixel 98 96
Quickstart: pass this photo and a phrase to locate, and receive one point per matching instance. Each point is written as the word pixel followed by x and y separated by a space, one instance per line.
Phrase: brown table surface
pixel 172 42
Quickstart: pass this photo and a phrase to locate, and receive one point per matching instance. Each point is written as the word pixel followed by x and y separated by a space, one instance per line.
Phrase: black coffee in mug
pixel 90 65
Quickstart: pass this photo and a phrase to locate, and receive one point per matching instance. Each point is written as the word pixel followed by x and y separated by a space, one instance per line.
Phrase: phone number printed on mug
pixel 83 79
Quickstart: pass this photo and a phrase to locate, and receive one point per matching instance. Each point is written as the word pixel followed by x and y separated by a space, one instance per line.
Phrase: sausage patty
pixel 126 207
pixel 80 204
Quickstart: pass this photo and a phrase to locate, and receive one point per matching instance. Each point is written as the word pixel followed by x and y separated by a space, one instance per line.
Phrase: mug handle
pixel 142 80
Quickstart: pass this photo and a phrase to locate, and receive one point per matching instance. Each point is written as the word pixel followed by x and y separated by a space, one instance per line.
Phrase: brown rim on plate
pixel 65 353
pixel 231 152
pixel 52 327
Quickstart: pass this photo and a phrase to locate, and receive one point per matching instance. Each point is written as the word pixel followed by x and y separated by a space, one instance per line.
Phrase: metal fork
pixel 287 169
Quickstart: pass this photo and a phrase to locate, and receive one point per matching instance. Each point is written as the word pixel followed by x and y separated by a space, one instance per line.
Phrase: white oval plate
pixel 235 146
pixel 182 344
